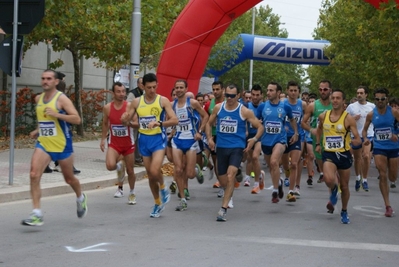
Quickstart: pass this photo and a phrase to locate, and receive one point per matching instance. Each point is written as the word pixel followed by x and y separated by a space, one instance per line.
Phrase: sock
pixel 224 209
pixel 37 212
pixel 290 191
pixel 120 187
pixel 358 177
pixel 256 184
pixel 118 166
pixel 196 170
pixel 279 182
pixel 247 177
pixel 81 198
pixel 183 199
pixel 287 173
pixel 343 210
pixel 162 186
pixel 158 202
pixel 132 191
pixel 275 190
pixel 364 180
pixel 321 174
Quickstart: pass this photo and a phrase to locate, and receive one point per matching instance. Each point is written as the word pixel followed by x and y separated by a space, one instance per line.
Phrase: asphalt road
pixel 257 232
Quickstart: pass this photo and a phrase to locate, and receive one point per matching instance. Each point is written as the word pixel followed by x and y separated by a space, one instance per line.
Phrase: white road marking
pixel 370 209
pixel 88 249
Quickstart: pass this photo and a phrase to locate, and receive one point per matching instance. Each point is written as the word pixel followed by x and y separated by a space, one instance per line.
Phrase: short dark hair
pixel 292 83
pixel 149 77
pixel 305 93
pixel 256 87
pixel 232 86
pixel 218 83
pixel 365 88
pixel 116 84
pixel 182 81
pixel 381 90
pixel 326 81
pixel 313 95
pixel 279 88
pixel 342 92
pixel 199 95
pixel 394 101
pixel 53 71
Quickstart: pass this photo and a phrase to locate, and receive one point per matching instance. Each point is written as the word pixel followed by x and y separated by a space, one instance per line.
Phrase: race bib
pixel 273 127
pixel 184 126
pixel 119 130
pixel 144 121
pixel 47 128
pixel 228 126
pixel 334 142
pixel 383 134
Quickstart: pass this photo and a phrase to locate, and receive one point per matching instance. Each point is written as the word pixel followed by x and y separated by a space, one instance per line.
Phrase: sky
pixel 299 17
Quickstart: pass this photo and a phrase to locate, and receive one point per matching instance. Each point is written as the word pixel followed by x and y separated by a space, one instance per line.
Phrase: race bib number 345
pixel 47 128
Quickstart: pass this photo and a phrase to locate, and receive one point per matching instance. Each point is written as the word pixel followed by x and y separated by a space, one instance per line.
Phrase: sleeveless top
pixel 54 135
pixel 383 129
pixel 148 112
pixel 188 118
pixel 230 128
pixel 336 137
pixel 120 135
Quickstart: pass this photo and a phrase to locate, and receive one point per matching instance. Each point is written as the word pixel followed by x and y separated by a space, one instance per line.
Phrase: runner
pixel 151 109
pixel 55 112
pixel 333 130
pixel 120 141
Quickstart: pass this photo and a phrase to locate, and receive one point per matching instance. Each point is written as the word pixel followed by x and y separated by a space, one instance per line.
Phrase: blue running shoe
pixel 344 217
pixel 365 186
pixel 286 182
pixel 357 185
pixel 165 196
pixel 333 196
pixel 156 212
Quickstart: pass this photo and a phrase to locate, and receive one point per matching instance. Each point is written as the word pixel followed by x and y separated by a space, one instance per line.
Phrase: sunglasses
pixel 380 99
pixel 324 89
pixel 230 95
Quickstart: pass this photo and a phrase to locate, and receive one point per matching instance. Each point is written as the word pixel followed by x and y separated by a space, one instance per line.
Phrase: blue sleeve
pixel 259 111
pixel 288 110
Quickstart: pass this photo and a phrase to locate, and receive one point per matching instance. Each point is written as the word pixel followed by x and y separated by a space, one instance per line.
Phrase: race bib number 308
pixel 47 128
pixel 119 130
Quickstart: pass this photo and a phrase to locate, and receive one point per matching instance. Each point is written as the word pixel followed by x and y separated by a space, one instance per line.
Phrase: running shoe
pixel 388 211
pixel 255 190
pixel 344 217
pixel 220 193
pixel 247 182
pixel 330 207
pixel 132 199
pixel 82 207
pixel 310 180
pixel 287 182
pixel 173 187
pixel 48 170
pixel 56 167
pixel 262 180
pixel 393 185
pixel 156 211
pixel 118 193
pixel 199 175
pixel 165 196
pixel 358 184
pixel 239 176
pixel 275 198
pixel 221 216
pixel 280 189
pixel 186 194
pixel 291 197
pixel 182 205
pixel 296 191
pixel 211 173
pixel 75 171
pixel 205 159
pixel 365 186
pixel 321 179
pixel 216 185
pixel 333 196
pixel 33 220
pixel 231 204
pixel 121 171
pixel 236 184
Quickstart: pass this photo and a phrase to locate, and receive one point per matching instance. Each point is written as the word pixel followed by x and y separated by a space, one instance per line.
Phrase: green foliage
pixel 224 53
pixel 364 44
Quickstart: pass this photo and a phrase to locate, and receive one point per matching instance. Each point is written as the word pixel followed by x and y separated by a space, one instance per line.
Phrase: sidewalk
pixel 88 159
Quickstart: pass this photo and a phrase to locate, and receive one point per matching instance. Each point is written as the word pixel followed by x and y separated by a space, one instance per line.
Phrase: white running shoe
pixel 230 205
pixel 118 193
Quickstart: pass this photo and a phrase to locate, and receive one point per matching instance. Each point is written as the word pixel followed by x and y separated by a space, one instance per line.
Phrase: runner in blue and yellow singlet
pixel 151 109
pixel 55 112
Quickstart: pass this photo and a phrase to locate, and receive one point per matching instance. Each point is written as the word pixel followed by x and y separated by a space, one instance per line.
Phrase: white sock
pixel 37 212
pixel 364 180
pixel 81 198
pixel 358 178
pixel 132 191
pixel 118 166
pixel 256 184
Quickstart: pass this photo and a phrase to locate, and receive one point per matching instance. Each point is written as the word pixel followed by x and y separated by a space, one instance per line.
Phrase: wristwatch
pixel 160 123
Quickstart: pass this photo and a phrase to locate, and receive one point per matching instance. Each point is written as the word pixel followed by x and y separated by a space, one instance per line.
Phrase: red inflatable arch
pixel 376 3
pixel 195 31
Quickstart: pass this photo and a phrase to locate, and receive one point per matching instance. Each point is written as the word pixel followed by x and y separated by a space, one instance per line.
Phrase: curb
pixel 23 192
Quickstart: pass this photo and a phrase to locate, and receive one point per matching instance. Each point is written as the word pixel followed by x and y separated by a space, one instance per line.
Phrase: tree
pixel 266 24
pixel 101 29
pixel 364 45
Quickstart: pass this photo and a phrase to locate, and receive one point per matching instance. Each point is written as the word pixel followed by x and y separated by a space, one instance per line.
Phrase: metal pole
pixel 135 43
pixel 251 62
pixel 13 92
